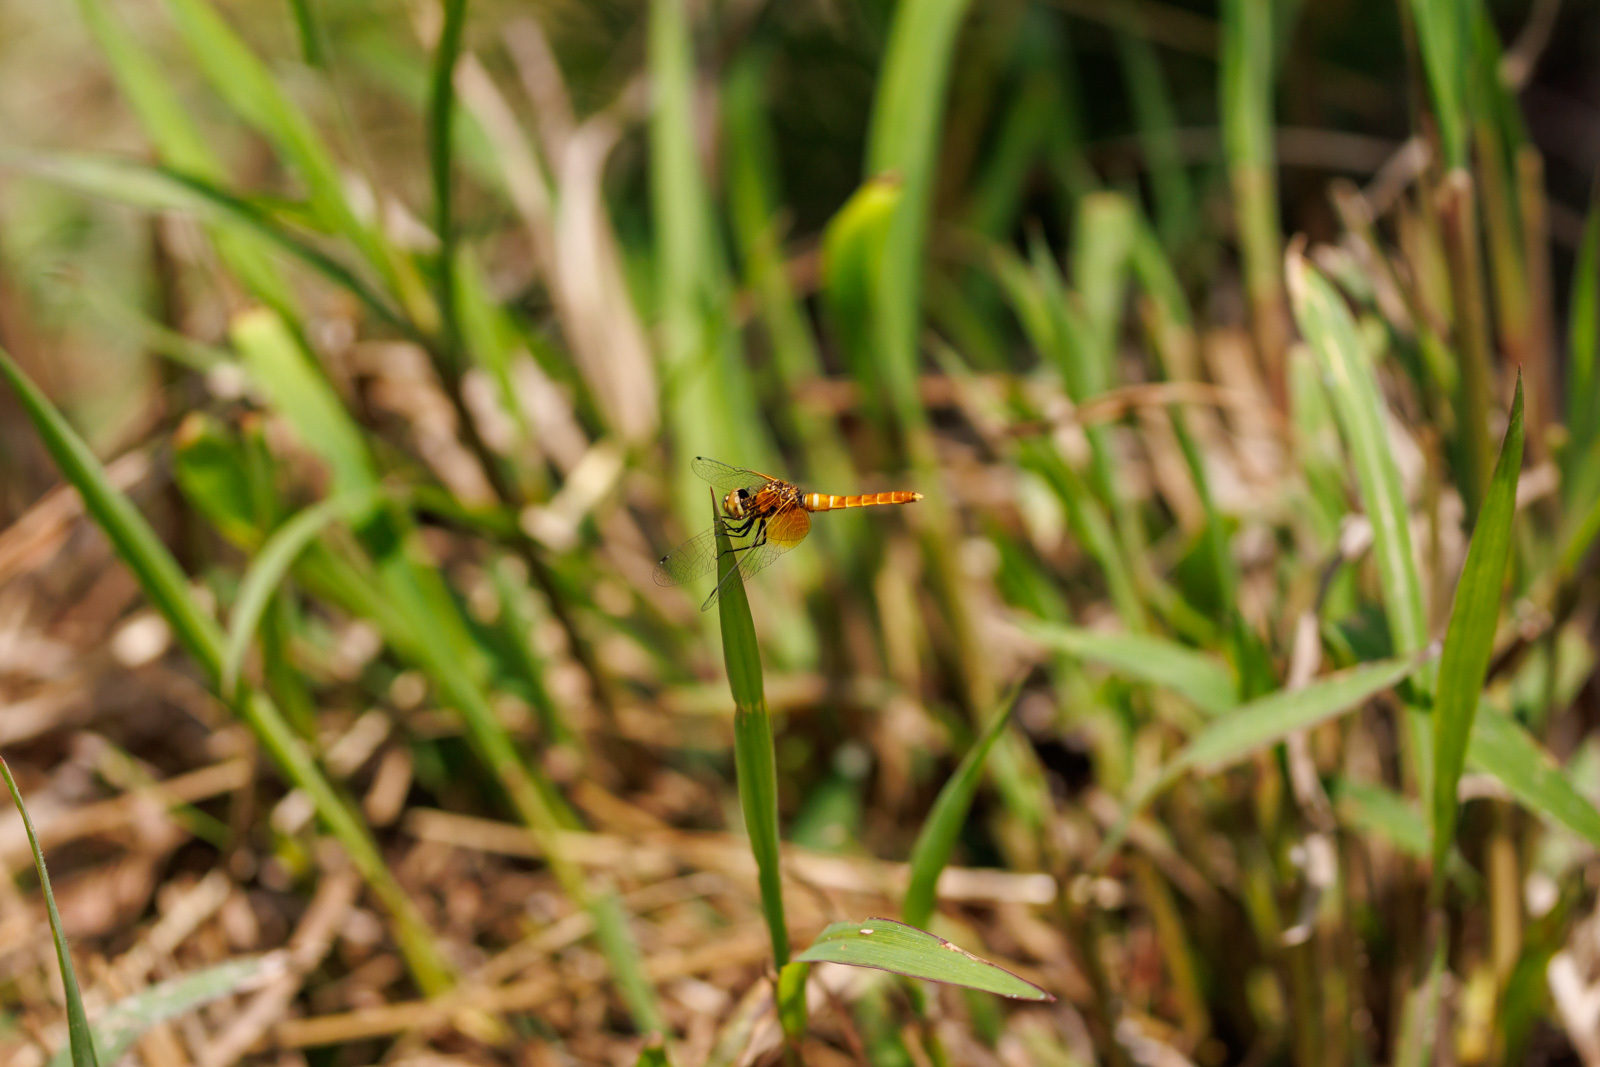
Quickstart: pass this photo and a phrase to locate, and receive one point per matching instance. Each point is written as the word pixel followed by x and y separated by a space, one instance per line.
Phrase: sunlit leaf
pixel 888 945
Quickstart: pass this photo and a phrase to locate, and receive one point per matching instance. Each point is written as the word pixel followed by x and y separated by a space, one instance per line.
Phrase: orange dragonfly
pixel 774 514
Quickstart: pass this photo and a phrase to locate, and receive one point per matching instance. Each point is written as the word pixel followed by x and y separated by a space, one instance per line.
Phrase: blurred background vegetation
pixel 1198 326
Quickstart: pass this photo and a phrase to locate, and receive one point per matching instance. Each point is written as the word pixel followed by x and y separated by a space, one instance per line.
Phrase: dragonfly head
pixel 734 503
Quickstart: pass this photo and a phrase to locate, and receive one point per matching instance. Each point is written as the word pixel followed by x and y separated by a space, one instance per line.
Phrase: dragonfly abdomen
pixel 831 501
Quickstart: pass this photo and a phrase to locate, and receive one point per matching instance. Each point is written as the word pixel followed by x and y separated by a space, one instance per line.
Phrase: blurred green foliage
pixel 427 310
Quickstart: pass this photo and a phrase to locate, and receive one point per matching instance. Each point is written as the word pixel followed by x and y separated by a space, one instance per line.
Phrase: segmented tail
pixel 829 501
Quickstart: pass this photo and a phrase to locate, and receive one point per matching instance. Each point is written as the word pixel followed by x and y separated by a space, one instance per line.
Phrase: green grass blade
pixel 270 565
pixel 441 109
pixel 414 608
pixel 163 582
pixel 149 92
pixel 166 588
pixel 1174 343
pixel 517 621
pixel 1415 1031
pixel 755 764
pixel 120 1025
pixel 711 397
pixel 243 81
pixel 1102 249
pixel 754 758
pixel 1445 35
pixel 1061 334
pixel 1089 524
pixel 790 996
pixel 1171 189
pixel 1269 720
pixel 157 189
pixel 297 387
pixel 1201 679
pixel 1583 338
pixel 852 255
pixel 1352 383
pixel 489 338
pixel 79 1039
pixel 753 198
pixel 212 468
pixel 122 317
pixel 1317 450
pixel 307 27
pixel 622 956
pixel 653 1055
pixel 1031 120
pixel 937 840
pixel 903 139
pixel 182 146
pixel 887 945
pixel 1503 747
pixel 1253 726
pixel 1469 639
pixel 1358 405
pixel 1247 115
pixel 1372 809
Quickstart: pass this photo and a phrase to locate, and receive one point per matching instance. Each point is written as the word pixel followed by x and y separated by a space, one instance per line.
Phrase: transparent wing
pixel 788 527
pixel 695 558
pixel 784 530
pixel 725 477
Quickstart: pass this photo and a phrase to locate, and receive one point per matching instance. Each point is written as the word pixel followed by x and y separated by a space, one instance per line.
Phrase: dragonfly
pixel 773 514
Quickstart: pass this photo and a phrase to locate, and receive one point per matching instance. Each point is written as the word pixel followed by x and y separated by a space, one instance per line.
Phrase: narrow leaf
pixel 1357 403
pixel 1444 34
pixel 158 189
pixel 126 1021
pixel 1372 809
pixel 149 90
pixel 297 388
pixel 791 996
pixel 165 586
pixel 245 83
pixel 1262 722
pixel 1501 747
pixel 441 109
pixel 755 762
pixel 78 1038
pixel 653 1055
pixel 1201 679
pixel 266 572
pixel 903 138
pixel 945 820
pixel 1273 718
pixel 1583 342
pixel 211 466
pixel 1469 639
pixel 888 945
pixel 852 249
pixel 132 537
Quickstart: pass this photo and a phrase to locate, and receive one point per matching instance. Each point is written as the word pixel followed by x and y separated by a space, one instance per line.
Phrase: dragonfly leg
pixel 739 530
pixel 761 538
pixel 744 528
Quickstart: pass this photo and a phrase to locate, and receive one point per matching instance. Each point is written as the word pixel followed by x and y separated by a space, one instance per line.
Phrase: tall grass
pixel 1299 739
